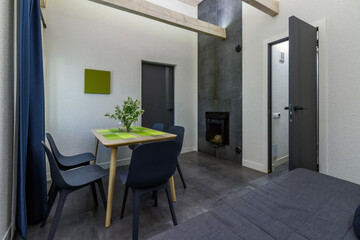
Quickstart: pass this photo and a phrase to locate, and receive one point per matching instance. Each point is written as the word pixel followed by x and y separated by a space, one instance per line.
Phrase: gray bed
pixel 300 204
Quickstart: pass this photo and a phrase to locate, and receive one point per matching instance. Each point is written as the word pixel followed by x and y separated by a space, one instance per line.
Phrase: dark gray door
pixel 302 95
pixel 157 94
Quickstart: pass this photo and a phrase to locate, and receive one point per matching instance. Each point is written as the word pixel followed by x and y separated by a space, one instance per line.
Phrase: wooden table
pixel 113 138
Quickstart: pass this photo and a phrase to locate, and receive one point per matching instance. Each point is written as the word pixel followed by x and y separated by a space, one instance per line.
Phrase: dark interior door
pixel 302 95
pixel 157 95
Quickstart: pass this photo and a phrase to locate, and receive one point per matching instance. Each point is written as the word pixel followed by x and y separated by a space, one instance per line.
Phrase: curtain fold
pixel 31 177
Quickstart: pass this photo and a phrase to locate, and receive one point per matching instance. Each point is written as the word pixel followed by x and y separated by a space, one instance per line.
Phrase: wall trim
pixel 266 43
pixel 281 160
pixel 105 165
pixel 119 162
pixel 254 165
pixel 124 161
pixel 188 149
pixel 7 234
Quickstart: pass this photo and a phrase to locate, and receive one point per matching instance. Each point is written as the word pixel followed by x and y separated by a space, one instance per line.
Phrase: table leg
pixel 96 148
pixel 110 195
pixel 172 188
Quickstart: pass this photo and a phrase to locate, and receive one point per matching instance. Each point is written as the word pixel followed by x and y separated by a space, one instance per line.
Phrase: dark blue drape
pixel 31 177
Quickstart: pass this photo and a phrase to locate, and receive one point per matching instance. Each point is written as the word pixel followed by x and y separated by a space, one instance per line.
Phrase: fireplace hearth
pixel 217 128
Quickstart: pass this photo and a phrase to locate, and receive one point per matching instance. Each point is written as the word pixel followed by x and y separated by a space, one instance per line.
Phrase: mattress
pixel 300 204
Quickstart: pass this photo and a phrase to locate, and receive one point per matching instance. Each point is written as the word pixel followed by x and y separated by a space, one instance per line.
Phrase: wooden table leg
pixel 110 194
pixel 96 148
pixel 172 188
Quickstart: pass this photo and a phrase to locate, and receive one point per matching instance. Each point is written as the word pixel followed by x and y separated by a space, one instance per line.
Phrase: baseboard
pixel 105 165
pixel 188 149
pixel 7 235
pixel 281 160
pixel 126 161
pixel 254 165
pixel 119 162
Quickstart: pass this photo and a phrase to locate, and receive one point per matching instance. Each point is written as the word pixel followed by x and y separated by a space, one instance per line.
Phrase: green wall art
pixel 97 81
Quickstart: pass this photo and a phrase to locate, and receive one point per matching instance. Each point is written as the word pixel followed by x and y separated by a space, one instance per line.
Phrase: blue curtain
pixel 31 177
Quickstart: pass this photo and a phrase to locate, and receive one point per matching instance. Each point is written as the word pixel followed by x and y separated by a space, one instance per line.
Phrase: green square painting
pixel 97 81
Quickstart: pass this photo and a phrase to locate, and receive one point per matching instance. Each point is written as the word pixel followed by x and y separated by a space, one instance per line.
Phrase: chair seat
pixel 84 175
pixel 76 160
pixel 123 174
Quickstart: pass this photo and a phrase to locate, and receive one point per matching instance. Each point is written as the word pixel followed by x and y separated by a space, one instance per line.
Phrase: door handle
pixel 290 108
pixel 170 109
pixel 296 108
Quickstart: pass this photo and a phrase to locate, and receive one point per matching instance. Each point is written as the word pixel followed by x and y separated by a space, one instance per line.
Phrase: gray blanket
pixel 300 204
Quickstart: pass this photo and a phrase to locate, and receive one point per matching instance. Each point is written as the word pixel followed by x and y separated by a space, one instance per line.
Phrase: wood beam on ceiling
pixel 43 3
pixel 193 3
pixel 165 15
pixel 270 7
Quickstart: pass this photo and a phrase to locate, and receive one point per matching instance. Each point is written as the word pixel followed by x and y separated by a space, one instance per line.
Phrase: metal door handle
pixel 296 108
pixel 290 108
pixel 170 109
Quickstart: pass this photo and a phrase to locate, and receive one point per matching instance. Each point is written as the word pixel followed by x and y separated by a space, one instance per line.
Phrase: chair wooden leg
pixel 93 189
pixel 136 209
pixel 167 190
pixel 63 195
pixel 102 193
pixel 124 202
pixel 52 196
pixel 181 175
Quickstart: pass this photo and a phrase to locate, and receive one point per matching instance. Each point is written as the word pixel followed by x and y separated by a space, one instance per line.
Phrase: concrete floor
pixel 209 181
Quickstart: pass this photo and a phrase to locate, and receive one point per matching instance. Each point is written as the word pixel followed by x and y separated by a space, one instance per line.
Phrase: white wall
pixel 6 115
pixel 280 98
pixel 83 34
pixel 339 81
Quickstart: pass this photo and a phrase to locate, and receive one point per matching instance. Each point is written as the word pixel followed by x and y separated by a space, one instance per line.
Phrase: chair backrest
pixel 179 131
pixel 158 126
pixel 54 149
pixel 56 176
pixel 152 164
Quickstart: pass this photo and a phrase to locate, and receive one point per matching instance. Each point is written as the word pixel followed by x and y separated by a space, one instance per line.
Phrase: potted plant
pixel 128 114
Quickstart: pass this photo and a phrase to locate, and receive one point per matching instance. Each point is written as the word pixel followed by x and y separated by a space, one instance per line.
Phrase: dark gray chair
pixel 70 162
pixel 156 126
pixel 67 182
pixel 179 131
pixel 151 166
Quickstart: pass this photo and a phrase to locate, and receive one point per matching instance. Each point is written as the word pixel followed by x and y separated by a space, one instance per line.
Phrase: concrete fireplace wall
pixel 220 74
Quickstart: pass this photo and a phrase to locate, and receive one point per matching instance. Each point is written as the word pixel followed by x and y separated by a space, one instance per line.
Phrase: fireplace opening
pixel 217 128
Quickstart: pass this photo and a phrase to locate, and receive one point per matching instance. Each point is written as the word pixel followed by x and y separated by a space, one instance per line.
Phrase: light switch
pixel 282 57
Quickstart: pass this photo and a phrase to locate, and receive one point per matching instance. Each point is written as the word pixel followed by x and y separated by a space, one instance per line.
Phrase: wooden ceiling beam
pixel 165 15
pixel 193 3
pixel 270 7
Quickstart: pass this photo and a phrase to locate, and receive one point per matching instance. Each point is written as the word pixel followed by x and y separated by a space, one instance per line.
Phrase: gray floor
pixel 209 182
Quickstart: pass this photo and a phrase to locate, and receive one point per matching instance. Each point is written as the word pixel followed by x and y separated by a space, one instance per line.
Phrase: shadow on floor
pixel 209 181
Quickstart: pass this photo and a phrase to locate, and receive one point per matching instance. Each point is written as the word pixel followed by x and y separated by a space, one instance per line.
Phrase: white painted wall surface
pixel 339 81
pixel 83 34
pixel 280 99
